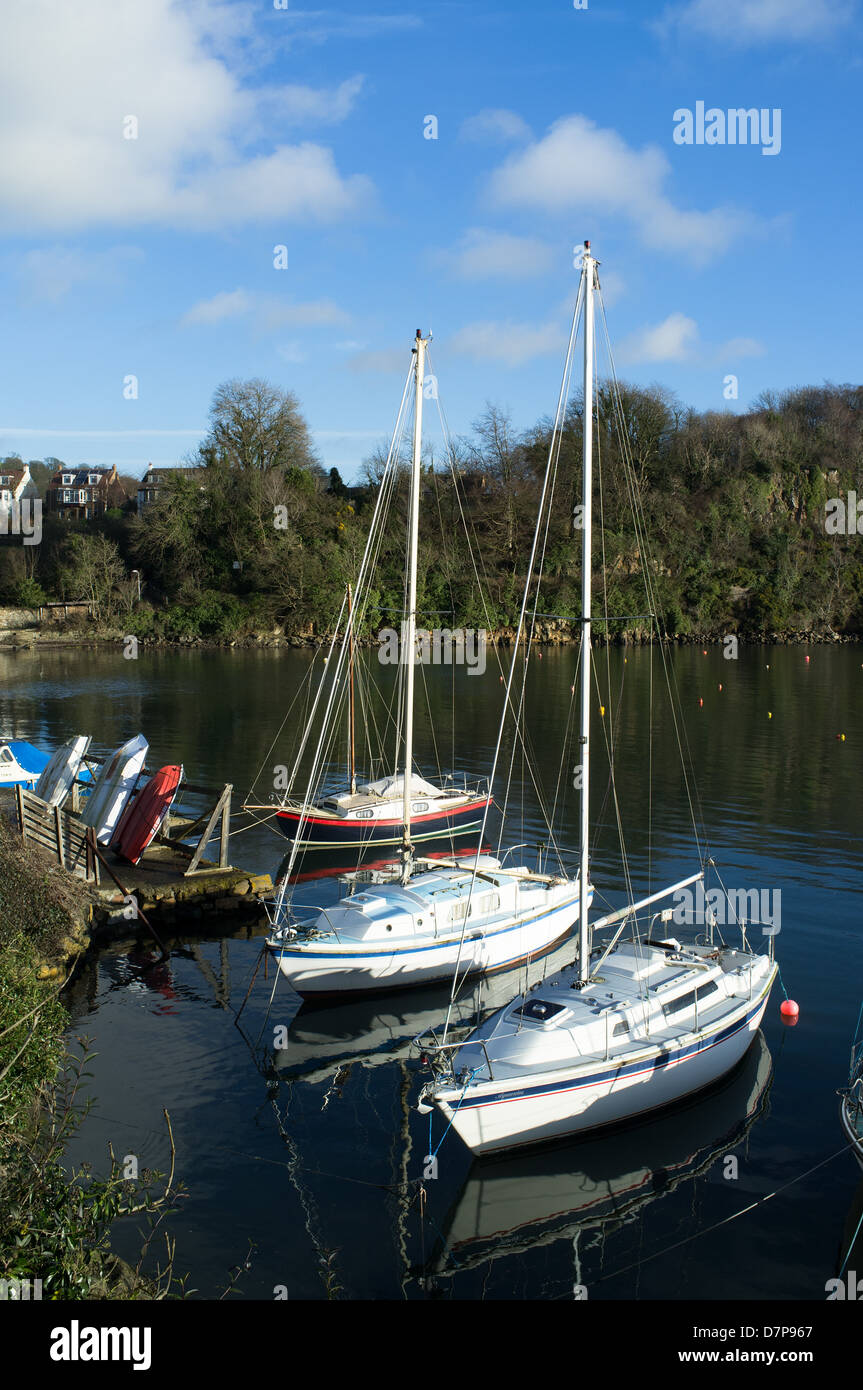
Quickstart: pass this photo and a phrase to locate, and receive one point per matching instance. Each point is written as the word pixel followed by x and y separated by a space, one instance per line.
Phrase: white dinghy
pixel 113 787
pixel 54 784
pixel 632 1026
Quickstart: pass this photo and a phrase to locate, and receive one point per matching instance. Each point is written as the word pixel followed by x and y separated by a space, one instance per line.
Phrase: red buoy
pixel 789 1010
pixel 700 704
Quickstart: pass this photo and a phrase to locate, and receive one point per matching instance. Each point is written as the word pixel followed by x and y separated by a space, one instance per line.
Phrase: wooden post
pixel 226 825
pixel 19 808
pixel 58 831
pixel 223 801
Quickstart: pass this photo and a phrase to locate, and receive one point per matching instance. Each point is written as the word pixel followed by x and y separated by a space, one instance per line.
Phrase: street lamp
pixel 137 574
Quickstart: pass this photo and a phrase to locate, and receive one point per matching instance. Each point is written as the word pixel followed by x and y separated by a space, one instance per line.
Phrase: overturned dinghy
pixel 113 787
pixel 56 780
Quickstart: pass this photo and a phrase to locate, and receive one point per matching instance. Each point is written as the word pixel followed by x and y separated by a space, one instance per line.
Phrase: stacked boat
pixel 122 817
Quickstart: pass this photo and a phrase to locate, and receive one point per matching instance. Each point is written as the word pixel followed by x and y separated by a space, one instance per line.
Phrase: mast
pixel 409 627
pixel 589 274
pixel 351 667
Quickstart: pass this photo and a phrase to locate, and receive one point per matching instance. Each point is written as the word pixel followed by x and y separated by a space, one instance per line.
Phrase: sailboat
pixel 438 921
pixel 364 815
pixel 633 1025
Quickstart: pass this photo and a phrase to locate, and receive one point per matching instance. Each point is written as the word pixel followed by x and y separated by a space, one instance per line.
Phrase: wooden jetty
pixel 174 882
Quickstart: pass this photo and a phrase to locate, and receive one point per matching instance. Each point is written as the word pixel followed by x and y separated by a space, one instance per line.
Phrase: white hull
pixel 548 1105
pixel 54 784
pixel 339 970
pixel 113 787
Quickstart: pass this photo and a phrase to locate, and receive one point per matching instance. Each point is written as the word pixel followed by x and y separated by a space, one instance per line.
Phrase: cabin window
pixel 620 1028
pixel 364 815
pixel 540 1010
pixel 5 755
pixel 710 988
pixel 420 806
pixel 683 1001
pixel 459 911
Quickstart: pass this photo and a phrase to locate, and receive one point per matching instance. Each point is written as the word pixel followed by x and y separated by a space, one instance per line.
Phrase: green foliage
pixel 733 505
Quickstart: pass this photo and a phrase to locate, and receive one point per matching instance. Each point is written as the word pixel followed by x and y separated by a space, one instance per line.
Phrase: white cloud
pixel 50 272
pixel 510 343
pixel 677 339
pixel 495 126
pixel 482 254
pixel 266 313
pixel 72 74
pixel 761 21
pixel 673 340
pixel 579 166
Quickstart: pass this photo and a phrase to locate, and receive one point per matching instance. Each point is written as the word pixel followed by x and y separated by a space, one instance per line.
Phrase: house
pixel 80 494
pixel 155 479
pixel 15 483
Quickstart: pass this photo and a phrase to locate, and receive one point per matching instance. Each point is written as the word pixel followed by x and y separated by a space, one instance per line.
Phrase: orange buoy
pixel 700 704
pixel 703 652
pixel 789 1009
pixel 720 685
pixel 807 661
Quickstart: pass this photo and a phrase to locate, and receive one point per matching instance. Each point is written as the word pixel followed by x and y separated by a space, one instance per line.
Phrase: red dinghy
pixel 145 813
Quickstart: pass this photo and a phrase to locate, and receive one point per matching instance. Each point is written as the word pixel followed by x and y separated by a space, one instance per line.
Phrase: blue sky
pixel 260 126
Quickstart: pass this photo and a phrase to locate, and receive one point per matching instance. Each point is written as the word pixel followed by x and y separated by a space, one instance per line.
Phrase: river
pixel 312 1154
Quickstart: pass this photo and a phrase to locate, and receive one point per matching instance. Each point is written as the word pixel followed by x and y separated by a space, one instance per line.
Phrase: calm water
pixel 313 1153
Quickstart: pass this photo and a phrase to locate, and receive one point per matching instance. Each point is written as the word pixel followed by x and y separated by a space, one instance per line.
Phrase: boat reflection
pixel 508 1206
pixel 324 1037
pixel 338 863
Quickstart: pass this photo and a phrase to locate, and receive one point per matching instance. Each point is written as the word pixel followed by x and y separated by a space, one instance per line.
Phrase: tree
pixel 91 569
pixel 256 427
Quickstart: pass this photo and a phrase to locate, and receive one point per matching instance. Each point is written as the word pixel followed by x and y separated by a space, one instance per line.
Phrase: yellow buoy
pixel 769 714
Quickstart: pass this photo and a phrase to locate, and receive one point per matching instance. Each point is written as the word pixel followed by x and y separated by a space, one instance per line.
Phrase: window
pixel 459 911
pixel 364 815
pixel 68 479
pixel 5 756
pixel 683 1001
pixel 93 479
pixel 67 497
pixel 420 806
pixel 82 494
pixel 710 988
pixel 5 494
pixel 619 1028
pixel 539 1010
pixel 4 478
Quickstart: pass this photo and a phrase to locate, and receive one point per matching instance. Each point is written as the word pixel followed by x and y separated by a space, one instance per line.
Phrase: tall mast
pixel 589 273
pixel 409 627
pixel 351 665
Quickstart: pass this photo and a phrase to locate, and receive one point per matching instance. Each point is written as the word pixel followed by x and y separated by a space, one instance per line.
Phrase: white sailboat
pixel 631 1026
pixel 436 923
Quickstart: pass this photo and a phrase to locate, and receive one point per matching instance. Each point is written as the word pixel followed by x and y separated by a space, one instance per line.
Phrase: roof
pixel 81 476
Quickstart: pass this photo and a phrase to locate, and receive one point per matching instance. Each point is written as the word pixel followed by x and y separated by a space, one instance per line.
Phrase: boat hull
pixel 329 833
pixel 510 1114
pixel 853 1132
pixel 334 970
